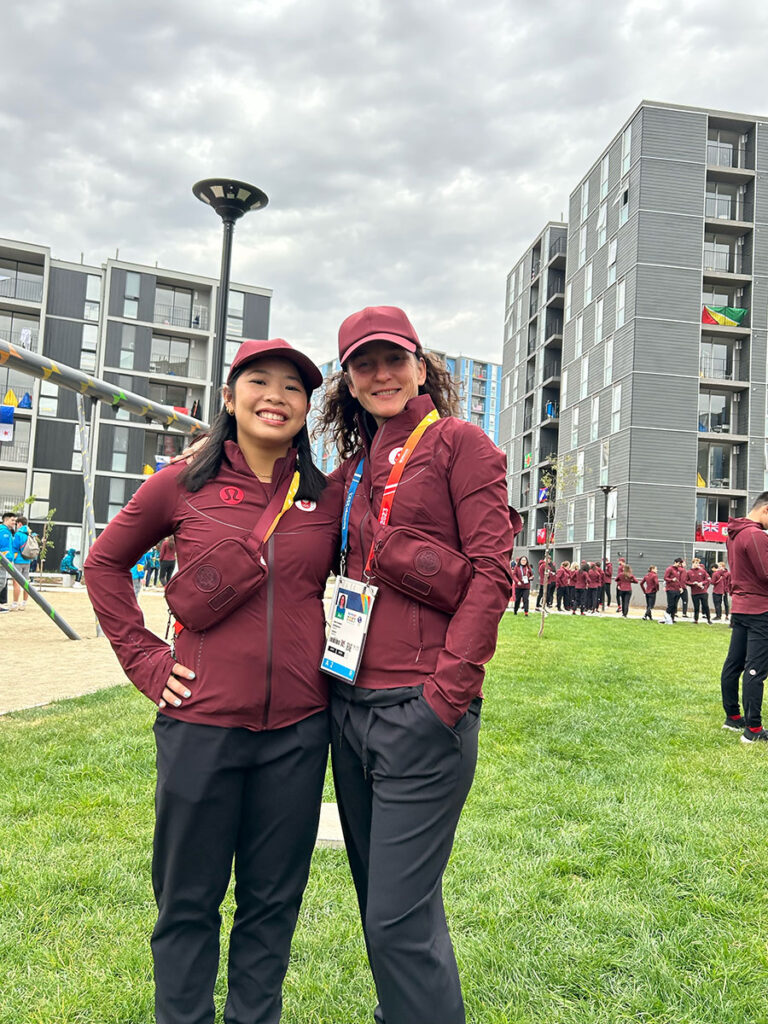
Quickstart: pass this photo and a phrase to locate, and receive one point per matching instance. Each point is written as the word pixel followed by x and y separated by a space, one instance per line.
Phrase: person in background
pixel 7 526
pixel 624 584
pixel 152 566
pixel 747 546
pixel 69 568
pixel 138 571
pixel 522 576
pixel 649 584
pixel 594 587
pixel 674 575
pixel 607 577
pixel 562 583
pixel 684 592
pixel 167 560
pixel 721 585
pixel 21 564
pixel 697 578
pixel 546 574
pixel 580 588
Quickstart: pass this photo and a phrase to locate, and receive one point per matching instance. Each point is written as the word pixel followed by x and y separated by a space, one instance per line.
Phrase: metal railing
pixel 178 367
pixel 532 343
pixel 551 369
pixel 8 501
pixel 533 304
pixel 21 288
pixel 728 262
pixel 713 425
pixel 558 247
pixel 727 208
pixel 554 326
pixel 717 368
pixel 14 452
pixel 529 381
pixel 725 154
pixel 551 411
pixel 535 268
pixel 174 316
pixel 527 421
pixel 556 285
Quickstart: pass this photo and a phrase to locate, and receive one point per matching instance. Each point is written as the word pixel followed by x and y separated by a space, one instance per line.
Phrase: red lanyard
pixel 397 471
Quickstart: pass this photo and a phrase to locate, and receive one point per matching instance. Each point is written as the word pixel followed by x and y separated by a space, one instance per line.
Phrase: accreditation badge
pixel 350 617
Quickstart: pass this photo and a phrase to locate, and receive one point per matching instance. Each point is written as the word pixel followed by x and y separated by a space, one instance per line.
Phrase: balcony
pixel 22 337
pixel 551 370
pixel 728 162
pixel 177 316
pixel 728 213
pixel 551 415
pixel 535 268
pixel 527 421
pixel 556 287
pixel 530 381
pixel 558 249
pixel 553 328
pixel 24 288
pixel 14 452
pixel 531 343
pixel 179 368
pixel 8 501
pixel 717 264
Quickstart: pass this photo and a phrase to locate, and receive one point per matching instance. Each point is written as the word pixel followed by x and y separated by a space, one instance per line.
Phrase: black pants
pixel 606 595
pixel 563 600
pixel 522 594
pixel 650 604
pixel 571 598
pixel 748 653
pixel 540 595
pixel 402 777
pixel 720 600
pixel 673 597
pixel 224 794
pixel 684 600
pixel 166 571
pixel 148 579
pixel 580 600
pixel 700 604
pixel 624 596
pixel 551 587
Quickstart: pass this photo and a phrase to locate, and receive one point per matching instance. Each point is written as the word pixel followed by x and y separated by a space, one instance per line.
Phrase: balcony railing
pixel 535 268
pixel 723 154
pixel 174 316
pixel 551 411
pixel 716 368
pixel 556 285
pixel 727 208
pixel 23 337
pixel 554 326
pixel 551 369
pixel 14 452
pixel 713 425
pixel 9 501
pixel 727 262
pixel 529 381
pixel 527 421
pixel 21 288
pixel 178 367
pixel 558 247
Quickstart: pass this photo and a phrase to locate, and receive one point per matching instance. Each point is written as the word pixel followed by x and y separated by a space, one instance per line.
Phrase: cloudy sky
pixel 410 150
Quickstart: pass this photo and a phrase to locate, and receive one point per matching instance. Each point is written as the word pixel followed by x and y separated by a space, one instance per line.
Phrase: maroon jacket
pixel 546 569
pixel 594 578
pixel 167 551
pixel 650 583
pixel 517 576
pixel 563 577
pixel 454 488
pixel 747 546
pixel 624 583
pixel 698 580
pixel 259 668
pixel 607 572
pixel 674 579
pixel 721 581
pixel 580 579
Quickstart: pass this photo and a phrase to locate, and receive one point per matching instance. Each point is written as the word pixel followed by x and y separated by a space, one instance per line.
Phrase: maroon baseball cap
pixel 278 347
pixel 376 323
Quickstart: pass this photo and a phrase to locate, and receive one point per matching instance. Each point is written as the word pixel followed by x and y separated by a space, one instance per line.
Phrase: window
pixel 564 390
pixel 604 455
pixel 604 177
pixel 599 321
pixel 612 250
pixel 169 356
pixel 88 344
pixel 588 284
pixel 517 350
pixel 602 222
pixel 21 281
pixel 41 488
pixel 516 385
pixel 116 497
pixel 570 520
pixel 612 513
pixel 582 245
pixel 575 427
pixel 567 311
pixel 580 472
pixel 120 449
pixel 714 465
pixel 591 517
pixel 174 306
pixel 131 297
pixel 584 378
pixel 624 206
pixel 626 148
pixel 621 298
pixel 585 200
pixel 235 311
pixel 507 383
pixel 168 394
pixel 92 297
pixel 49 399
pixel 77 455
pixel 579 336
pixel 616 409
pixel 123 383
pixel 127 347
pixel 608 362
pixel 595 419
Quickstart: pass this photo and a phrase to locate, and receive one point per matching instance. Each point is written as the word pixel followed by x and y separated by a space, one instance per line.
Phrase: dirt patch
pixel 38 664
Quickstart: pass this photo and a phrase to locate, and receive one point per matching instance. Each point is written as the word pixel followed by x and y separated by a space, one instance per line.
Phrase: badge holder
pixel 350 618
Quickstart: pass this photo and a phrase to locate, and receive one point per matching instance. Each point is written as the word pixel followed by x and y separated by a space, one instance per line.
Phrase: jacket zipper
pixel 421 630
pixel 270 621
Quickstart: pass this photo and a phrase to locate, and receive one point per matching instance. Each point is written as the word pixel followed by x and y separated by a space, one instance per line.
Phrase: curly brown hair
pixel 338 418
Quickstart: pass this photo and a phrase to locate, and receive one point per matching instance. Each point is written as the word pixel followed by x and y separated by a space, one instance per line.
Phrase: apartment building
pixel 478 384
pixel 660 400
pixel 145 329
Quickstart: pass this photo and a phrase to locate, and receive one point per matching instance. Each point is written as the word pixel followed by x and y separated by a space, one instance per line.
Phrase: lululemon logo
pixel 207 578
pixel 306 506
pixel 427 561
pixel 231 495
pixel 394 455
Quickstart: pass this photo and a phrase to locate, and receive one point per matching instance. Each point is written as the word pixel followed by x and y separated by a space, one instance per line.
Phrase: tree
pixel 45 542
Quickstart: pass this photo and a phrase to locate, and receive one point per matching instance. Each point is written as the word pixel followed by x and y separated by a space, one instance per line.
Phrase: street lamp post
pixel 606 489
pixel 231 200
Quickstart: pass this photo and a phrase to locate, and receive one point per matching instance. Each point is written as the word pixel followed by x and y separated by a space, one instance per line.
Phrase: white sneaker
pixel 77 586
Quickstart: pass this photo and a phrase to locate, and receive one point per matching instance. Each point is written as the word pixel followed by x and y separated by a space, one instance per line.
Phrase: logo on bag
pixel 427 561
pixel 306 506
pixel 207 578
pixel 394 455
pixel 231 495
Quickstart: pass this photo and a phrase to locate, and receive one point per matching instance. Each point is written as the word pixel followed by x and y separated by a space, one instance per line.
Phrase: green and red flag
pixel 723 316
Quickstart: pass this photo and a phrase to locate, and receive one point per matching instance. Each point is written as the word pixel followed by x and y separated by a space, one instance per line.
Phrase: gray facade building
pixel 662 378
pixel 145 329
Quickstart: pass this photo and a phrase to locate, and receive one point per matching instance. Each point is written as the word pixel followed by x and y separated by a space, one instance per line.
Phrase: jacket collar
pixel 283 467
pixel 397 427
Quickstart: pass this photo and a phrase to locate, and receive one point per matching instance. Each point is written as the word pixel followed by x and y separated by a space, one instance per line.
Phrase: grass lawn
pixel 611 863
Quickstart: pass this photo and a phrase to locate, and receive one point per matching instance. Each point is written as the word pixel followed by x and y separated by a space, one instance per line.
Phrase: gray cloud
pixel 410 150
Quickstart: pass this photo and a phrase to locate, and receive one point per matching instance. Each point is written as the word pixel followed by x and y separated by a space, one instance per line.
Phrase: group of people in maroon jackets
pixel 677 581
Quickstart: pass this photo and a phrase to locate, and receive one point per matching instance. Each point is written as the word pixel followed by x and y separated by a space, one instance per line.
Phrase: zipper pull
pixel 421 648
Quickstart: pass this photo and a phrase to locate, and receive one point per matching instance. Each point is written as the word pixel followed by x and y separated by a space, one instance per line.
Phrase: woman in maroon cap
pixel 437 545
pixel 243 730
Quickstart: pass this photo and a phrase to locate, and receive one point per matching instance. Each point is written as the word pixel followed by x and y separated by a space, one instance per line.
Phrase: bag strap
pixel 273 513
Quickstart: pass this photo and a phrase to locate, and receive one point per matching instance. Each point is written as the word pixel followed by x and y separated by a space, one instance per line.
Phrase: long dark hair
pixel 339 415
pixel 207 462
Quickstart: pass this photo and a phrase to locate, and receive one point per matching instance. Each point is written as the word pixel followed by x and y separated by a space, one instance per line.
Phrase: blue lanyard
pixel 347 511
